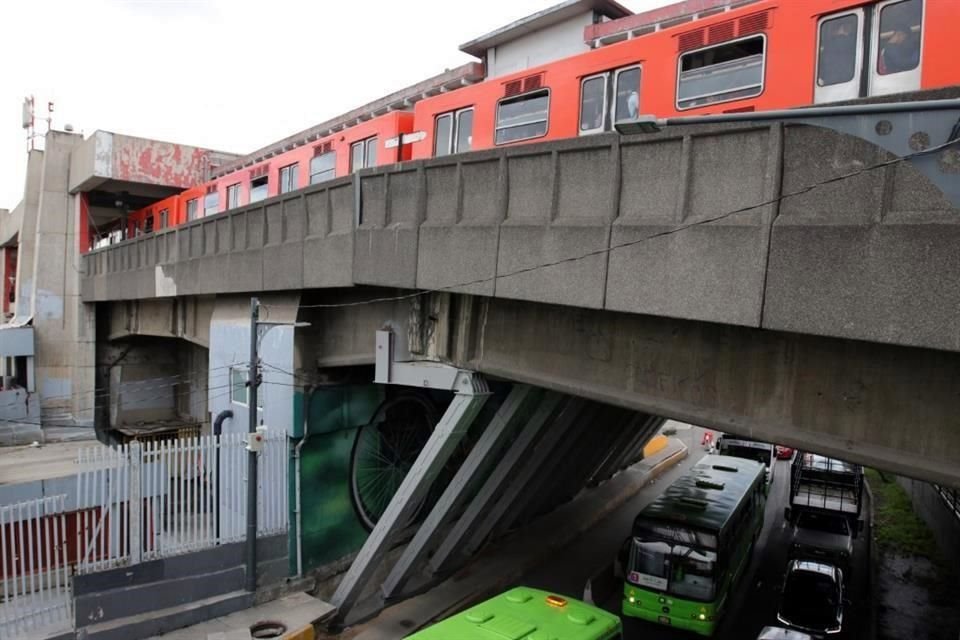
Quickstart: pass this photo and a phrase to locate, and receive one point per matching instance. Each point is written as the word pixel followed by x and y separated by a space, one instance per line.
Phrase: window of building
pixel 523 117
pixel 627 98
pixel 164 218
pixel 454 132
pixel 593 103
pixel 192 209
pixel 289 178
pixel 239 391
pixel 258 189
pixel 837 58
pixel 323 167
pixel 210 202
pixel 233 196
pixel 899 42
pixel 363 154
pixel 730 71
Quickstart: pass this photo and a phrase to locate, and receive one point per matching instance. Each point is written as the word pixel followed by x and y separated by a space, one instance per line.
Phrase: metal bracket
pixel 428 375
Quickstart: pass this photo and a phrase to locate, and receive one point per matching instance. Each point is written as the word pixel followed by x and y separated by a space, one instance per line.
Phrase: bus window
pixel 896 54
pixel 523 117
pixel 839 57
pixel 593 103
pixel 627 94
pixel 730 71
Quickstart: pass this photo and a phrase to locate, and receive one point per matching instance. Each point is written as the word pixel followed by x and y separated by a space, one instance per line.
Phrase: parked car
pixel 812 598
pixel 784 453
pixel 782 633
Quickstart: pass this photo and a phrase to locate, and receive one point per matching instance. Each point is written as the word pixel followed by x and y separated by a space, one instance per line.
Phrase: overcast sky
pixel 233 75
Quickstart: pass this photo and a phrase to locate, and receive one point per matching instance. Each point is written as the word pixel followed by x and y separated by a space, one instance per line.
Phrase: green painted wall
pixel 330 526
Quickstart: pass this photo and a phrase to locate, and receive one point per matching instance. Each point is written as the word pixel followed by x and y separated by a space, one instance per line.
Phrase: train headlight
pixel 632 600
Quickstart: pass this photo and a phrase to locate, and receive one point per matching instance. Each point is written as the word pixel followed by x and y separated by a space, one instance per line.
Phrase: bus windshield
pixel 680 570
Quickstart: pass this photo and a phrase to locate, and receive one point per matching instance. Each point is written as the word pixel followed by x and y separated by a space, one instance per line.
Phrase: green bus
pixel 526 614
pixel 690 546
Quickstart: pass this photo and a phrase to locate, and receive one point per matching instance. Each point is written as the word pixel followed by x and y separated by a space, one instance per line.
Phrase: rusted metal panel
pixel 155 162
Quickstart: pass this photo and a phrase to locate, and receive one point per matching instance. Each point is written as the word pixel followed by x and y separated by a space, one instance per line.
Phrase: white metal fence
pixel 156 499
pixel 36 578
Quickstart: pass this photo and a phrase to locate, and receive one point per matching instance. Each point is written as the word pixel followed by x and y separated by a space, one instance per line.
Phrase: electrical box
pixel 255 440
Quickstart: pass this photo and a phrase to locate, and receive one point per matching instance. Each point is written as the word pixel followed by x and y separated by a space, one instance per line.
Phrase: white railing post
pixel 135 503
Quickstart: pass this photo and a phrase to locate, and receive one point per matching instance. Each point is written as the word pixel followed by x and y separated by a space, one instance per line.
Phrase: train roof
pixel 657 19
pixel 542 19
pixel 401 100
pixel 708 495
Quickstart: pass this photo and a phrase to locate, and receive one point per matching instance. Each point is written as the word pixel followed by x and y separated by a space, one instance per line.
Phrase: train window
pixel 523 117
pixel 463 141
pixel 443 136
pixel 164 218
pixel 371 153
pixel 233 196
pixel 593 103
pixel 356 156
pixel 838 50
pixel 363 154
pixel 900 37
pixel 288 178
pixel 323 167
pixel 258 189
pixel 192 209
pixel 627 94
pixel 453 132
pixel 210 203
pixel 148 224
pixel 729 71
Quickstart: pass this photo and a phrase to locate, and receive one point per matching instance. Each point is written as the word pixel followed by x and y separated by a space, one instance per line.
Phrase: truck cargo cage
pixel 818 482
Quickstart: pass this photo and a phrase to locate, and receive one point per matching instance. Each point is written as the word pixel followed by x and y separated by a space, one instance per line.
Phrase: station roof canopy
pixel 542 19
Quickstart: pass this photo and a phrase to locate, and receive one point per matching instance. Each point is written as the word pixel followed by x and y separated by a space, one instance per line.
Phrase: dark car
pixel 812 598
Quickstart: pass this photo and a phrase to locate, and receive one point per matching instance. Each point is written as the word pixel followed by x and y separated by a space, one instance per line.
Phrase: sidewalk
pixel 297 612
pixel 506 562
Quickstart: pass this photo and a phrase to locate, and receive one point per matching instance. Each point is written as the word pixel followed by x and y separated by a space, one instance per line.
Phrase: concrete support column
pixel 450 549
pixel 444 439
pixel 501 427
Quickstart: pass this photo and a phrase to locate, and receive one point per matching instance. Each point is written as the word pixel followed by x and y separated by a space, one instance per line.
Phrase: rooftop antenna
pixel 27 120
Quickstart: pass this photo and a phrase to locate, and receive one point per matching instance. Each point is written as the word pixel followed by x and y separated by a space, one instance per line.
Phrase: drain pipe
pixel 307 395
pixel 217 430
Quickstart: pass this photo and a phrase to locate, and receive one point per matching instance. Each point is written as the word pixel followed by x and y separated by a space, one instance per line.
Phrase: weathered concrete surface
pixel 892 407
pixel 663 225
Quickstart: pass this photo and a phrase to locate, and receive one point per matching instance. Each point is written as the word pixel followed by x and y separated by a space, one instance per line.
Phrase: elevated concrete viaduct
pixel 777 280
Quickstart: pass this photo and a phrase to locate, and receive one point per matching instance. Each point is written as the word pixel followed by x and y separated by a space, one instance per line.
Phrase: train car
pixel 371 143
pixel 768 54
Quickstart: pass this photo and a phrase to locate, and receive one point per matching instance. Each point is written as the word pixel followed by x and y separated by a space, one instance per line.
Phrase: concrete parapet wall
pixel 871 257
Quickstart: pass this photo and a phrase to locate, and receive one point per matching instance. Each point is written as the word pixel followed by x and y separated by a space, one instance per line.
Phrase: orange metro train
pixel 761 55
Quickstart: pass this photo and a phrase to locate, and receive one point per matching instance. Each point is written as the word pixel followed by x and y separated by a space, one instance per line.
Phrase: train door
pixel 896 47
pixel 609 97
pixel 869 51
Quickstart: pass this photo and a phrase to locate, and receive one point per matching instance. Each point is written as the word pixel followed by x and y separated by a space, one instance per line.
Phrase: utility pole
pixel 251 450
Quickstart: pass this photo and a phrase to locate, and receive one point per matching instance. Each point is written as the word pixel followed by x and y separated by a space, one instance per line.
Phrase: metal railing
pixel 142 501
pixel 35 583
